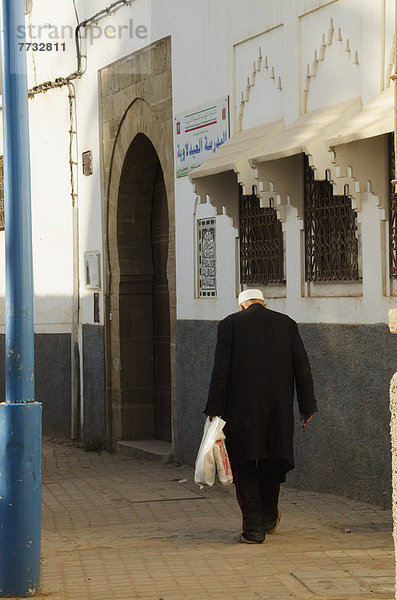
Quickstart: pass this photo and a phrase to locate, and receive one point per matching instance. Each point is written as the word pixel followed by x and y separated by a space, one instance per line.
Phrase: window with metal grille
pixel 331 239
pixel 261 243
pixel 392 212
pixel 1 193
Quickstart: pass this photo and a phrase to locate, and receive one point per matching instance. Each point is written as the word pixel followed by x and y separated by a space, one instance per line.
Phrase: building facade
pixel 182 151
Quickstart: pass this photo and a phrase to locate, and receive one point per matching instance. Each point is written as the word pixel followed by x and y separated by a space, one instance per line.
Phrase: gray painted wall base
pixel 195 346
pixel 53 383
pixel 53 387
pixel 346 449
pixel 52 375
pixel 94 383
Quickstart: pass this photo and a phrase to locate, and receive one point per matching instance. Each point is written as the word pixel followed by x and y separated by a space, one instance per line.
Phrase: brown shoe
pixel 243 540
pixel 276 523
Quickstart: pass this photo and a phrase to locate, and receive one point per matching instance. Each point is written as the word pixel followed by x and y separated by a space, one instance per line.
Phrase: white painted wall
pixel 49 135
pixel 299 28
pixel 213 42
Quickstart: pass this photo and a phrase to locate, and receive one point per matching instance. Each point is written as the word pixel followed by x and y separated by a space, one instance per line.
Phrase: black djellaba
pixel 259 360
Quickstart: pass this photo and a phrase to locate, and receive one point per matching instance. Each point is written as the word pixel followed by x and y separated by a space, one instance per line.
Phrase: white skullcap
pixel 250 295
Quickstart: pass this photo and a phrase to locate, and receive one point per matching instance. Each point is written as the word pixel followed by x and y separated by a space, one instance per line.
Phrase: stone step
pixel 155 450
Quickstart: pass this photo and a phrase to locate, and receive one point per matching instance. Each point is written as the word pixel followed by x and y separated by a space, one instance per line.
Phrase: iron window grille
pixel 261 243
pixel 392 212
pixel 1 193
pixel 331 237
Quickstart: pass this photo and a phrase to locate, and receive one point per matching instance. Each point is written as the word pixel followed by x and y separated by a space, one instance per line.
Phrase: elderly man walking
pixel 259 358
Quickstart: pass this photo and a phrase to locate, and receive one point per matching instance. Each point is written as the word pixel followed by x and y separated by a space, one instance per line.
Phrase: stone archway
pixel 140 166
pixel 144 315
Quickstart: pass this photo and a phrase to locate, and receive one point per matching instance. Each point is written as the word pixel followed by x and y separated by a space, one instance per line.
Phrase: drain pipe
pixel 76 410
pixel 80 70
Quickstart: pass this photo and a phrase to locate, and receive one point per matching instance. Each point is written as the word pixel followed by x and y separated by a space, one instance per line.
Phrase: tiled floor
pixel 118 528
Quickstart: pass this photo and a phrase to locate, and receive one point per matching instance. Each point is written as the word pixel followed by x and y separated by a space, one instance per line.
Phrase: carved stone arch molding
pixel 139 119
pixel 259 78
pixel 137 113
pixel 334 35
pixel 261 68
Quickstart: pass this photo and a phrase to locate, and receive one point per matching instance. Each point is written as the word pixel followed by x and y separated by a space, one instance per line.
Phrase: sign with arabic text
pixel 198 134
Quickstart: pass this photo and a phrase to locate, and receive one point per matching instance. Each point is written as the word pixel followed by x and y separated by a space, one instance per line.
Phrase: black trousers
pixel 257 488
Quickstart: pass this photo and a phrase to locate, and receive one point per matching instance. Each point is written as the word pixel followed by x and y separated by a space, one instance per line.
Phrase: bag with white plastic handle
pixel 212 456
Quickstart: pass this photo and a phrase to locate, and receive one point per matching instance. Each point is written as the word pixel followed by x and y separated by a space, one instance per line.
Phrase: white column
pixel 294 252
pixel 372 254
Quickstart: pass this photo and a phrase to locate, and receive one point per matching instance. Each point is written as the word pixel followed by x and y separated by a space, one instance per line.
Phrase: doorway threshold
pixel 154 450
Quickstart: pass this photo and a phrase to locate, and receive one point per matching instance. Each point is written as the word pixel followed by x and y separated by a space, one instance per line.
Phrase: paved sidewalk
pixel 118 528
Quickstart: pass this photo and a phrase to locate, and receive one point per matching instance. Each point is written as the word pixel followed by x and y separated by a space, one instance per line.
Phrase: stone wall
pixel 136 99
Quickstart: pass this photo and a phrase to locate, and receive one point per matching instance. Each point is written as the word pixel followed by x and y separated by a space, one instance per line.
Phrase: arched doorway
pixel 137 132
pixel 144 306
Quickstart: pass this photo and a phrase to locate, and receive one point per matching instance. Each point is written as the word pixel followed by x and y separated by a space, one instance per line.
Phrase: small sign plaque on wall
pixel 92 268
pixel 207 257
pixel 199 133
pixel 87 163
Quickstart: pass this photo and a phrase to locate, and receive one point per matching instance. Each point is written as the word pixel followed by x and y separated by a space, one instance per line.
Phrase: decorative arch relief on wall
pixel 262 71
pixel 315 69
pixel 259 73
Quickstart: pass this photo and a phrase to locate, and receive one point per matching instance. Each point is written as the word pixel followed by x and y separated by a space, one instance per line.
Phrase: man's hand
pixel 306 420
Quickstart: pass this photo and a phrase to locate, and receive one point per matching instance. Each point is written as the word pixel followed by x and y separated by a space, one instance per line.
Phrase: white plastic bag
pixel 223 468
pixel 205 468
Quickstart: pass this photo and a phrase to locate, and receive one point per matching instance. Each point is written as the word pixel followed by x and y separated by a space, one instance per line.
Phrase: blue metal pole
pixel 20 415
